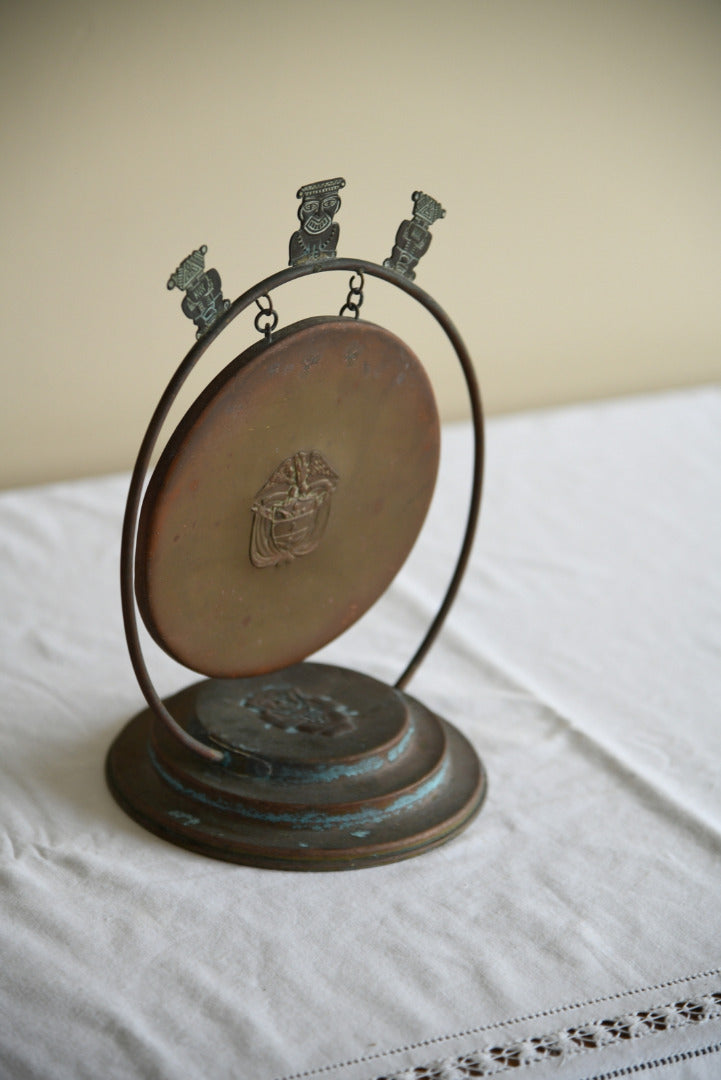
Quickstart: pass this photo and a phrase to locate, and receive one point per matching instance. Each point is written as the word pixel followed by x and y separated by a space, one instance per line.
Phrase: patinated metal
pixel 288 497
pixel 413 237
pixel 266 320
pixel 317 237
pixel 354 299
pixel 285 764
pixel 290 512
pixel 203 301
pixel 366 776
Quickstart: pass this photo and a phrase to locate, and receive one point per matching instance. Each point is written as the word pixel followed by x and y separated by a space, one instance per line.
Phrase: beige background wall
pixel 576 147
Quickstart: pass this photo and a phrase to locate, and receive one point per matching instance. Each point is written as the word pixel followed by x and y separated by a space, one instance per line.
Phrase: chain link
pixel 268 313
pixel 355 296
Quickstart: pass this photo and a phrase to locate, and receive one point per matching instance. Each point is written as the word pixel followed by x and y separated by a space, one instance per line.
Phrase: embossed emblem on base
pixel 293 711
pixel 290 512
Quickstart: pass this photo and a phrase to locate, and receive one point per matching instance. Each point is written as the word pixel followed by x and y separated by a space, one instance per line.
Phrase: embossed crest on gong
pixel 290 512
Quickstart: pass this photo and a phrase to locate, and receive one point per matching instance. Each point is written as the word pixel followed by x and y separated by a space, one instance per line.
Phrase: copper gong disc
pixel 288 498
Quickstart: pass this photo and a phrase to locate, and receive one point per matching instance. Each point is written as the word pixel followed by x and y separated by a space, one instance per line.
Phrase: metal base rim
pixel 199 822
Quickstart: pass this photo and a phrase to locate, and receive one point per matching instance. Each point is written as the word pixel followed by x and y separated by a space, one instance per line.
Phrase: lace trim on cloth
pixel 594 1035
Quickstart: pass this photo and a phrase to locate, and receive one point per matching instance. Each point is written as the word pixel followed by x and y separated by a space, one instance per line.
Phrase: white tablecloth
pixel 575 927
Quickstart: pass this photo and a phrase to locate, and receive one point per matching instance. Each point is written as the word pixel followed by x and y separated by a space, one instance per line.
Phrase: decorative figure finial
pixel 413 238
pixel 317 237
pixel 203 301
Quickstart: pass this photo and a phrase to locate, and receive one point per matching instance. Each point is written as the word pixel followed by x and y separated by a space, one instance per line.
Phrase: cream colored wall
pixel 576 147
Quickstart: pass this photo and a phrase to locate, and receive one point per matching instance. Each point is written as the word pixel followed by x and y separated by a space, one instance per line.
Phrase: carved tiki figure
pixel 317 237
pixel 413 237
pixel 203 300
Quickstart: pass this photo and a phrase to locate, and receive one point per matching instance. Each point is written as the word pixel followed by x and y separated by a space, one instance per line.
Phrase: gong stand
pixel 281 508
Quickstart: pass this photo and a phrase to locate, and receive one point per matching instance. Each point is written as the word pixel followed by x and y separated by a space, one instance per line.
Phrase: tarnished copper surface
pixel 324 769
pixel 281 508
pixel 288 498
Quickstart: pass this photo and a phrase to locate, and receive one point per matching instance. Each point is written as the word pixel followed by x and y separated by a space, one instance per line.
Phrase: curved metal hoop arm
pixel 132 508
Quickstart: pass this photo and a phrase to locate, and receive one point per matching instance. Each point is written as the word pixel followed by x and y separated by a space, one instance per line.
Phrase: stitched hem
pixel 657 1063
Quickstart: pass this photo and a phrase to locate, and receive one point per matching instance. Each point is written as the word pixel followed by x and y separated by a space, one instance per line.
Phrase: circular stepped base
pixel 324 769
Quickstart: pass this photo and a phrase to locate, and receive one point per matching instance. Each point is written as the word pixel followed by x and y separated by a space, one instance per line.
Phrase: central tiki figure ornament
pixel 317 237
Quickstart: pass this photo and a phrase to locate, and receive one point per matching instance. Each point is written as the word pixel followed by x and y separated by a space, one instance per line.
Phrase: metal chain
pixel 355 296
pixel 269 313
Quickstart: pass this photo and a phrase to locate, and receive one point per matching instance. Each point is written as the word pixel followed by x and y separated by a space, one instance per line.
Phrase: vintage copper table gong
pixel 281 508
